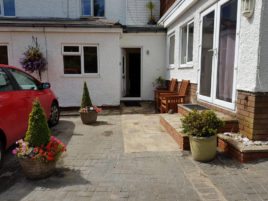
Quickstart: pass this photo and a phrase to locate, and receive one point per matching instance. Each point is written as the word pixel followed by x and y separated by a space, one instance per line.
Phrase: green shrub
pixel 86 101
pixel 201 124
pixel 38 132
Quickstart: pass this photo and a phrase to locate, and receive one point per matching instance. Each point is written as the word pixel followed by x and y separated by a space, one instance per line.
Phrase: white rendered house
pixel 106 43
pixel 221 47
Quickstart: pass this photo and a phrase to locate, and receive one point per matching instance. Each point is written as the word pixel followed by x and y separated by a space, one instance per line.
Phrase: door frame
pixel 141 74
pixel 216 39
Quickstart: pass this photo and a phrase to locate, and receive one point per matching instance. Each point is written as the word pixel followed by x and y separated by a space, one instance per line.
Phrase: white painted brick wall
pixel 131 12
pixel 138 14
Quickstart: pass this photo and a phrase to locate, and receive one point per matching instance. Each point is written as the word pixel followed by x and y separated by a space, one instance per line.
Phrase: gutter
pixel 175 11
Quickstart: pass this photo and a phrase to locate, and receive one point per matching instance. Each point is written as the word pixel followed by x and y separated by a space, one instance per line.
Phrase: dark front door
pixel 134 74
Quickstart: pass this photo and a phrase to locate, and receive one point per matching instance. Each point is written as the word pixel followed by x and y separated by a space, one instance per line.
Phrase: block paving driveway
pixel 127 156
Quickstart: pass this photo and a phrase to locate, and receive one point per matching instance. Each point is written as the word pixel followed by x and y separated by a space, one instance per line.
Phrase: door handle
pixel 213 50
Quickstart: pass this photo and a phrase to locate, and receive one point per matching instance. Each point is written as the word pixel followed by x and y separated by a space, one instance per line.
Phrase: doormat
pixel 132 103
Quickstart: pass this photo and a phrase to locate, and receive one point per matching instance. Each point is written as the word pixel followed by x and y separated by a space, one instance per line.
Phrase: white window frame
pixel 2 12
pixel 92 9
pixel 171 66
pixel 2 8
pixel 81 54
pixel 186 64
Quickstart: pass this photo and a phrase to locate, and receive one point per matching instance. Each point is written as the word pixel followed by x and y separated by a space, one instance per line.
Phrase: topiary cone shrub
pixel 38 132
pixel 86 101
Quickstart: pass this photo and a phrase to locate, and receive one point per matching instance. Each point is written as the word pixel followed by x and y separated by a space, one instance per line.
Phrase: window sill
pixel 171 67
pixel 186 66
pixel 3 16
pixel 81 76
pixel 91 16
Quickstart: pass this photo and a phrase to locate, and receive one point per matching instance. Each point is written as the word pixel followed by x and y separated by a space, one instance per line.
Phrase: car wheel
pixel 1 153
pixel 54 114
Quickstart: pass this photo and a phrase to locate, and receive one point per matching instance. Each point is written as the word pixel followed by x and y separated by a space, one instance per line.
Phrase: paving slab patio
pixel 126 156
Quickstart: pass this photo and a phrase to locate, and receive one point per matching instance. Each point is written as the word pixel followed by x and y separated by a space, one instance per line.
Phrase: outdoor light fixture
pixel 248 7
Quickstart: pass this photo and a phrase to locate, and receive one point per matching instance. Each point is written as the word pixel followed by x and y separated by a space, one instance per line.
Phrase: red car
pixel 18 90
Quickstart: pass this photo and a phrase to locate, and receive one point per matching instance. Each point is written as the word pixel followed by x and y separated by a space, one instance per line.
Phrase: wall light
pixel 248 7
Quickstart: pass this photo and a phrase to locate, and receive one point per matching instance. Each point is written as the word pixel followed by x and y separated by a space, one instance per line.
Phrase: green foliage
pixel 38 132
pixel 150 6
pixel 201 124
pixel 86 101
pixel 159 82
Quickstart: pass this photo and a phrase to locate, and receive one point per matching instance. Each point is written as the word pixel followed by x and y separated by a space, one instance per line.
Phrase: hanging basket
pixel 36 169
pixel 89 117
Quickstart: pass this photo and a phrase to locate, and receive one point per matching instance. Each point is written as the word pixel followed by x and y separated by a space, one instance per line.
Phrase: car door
pixel 29 85
pixel 13 109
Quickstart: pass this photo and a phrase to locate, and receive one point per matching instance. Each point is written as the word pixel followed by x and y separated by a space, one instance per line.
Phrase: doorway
pixel 131 73
pixel 218 54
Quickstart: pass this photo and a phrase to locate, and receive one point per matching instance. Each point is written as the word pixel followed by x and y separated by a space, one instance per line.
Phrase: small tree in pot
pixel 88 112
pixel 202 128
pixel 39 151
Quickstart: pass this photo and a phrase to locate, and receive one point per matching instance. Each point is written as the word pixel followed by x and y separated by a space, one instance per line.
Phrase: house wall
pixel 152 63
pixel 138 14
pixel 114 9
pixel 248 46
pixel 251 68
pixel 104 88
pixel 125 11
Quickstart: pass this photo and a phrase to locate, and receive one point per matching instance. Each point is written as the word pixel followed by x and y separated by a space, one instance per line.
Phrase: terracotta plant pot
pixel 36 169
pixel 89 117
pixel 203 149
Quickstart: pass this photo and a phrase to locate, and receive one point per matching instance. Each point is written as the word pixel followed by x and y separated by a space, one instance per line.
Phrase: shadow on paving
pixel 11 173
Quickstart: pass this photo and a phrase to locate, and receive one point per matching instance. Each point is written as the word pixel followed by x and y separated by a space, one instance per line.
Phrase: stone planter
pixel 36 169
pixel 89 117
pixel 203 149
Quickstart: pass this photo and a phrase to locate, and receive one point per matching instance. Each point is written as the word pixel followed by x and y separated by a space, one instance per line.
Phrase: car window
pixel 5 84
pixel 24 81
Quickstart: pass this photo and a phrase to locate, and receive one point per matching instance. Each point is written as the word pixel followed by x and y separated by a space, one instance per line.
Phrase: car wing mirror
pixel 44 85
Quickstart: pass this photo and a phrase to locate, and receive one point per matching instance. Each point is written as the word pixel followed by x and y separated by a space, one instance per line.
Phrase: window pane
pixel 86 7
pixel 171 49
pixel 72 64
pixel 98 7
pixel 71 48
pixel 9 7
pixel 183 44
pixel 225 73
pixel 24 81
pixel 207 54
pixel 5 84
pixel 3 55
pixel 90 60
pixel 190 42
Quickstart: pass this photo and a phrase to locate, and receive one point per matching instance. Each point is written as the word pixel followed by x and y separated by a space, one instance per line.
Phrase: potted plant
pixel 150 6
pixel 88 112
pixel 39 151
pixel 33 59
pixel 202 128
pixel 159 83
